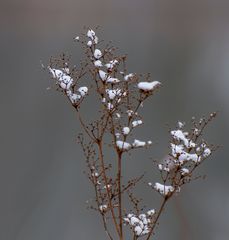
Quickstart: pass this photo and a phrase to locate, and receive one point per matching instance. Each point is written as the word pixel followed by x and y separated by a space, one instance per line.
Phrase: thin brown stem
pixel 120 194
pixel 105 227
pixel 97 197
pixel 84 126
pixel 157 218
pixel 107 187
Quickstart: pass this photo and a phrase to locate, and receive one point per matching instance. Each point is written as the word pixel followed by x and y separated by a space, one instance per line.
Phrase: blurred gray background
pixel 183 43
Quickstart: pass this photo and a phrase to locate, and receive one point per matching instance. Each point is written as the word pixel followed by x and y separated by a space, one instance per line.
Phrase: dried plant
pixel 118 95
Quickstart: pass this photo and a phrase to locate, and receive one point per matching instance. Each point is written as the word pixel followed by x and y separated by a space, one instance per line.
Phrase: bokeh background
pixel 183 43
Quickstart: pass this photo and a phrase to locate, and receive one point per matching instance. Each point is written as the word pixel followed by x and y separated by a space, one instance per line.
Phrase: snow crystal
pixel 138 230
pixel 137 123
pixel 180 125
pixel 176 149
pixel 118 115
pixel 112 93
pixel 110 106
pixel 206 152
pixel 138 143
pixel 162 168
pixel 196 131
pixel 130 113
pixel 111 64
pixel 103 75
pixel 134 220
pixel 89 43
pixel 184 157
pixel 97 54
pixel 64 80
pixel 181 136
pixel 148 86
pixel 103 208
pixel 178 152
pixel 91 34
pixel 163 189
pixel 83 91
pixel 73 97
pixel 66 70
pixel 94 174
pixel 96 40
pixel 126 130
pixel 123 145
pixel 128 76
pixel 184 171
pixel 108 186
pixel 151 212
pixel 112 80
pixel 98 63
pixel 140 224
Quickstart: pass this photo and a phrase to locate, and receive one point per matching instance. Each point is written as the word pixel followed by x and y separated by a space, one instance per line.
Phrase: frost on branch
pixel 148 86
pixel 117 97
pixel 141 223
pixel 63 79
pixel 163 189
pixel 188 151
pixel 124 146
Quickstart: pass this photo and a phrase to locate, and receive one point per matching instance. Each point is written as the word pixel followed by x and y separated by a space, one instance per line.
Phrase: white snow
pixel 98 63
pixel 137 123
pixel 123 145
pixel 134 220
pixel 148 86
pixel 138 230
pixel 181 136
pixel 118 115
pixel 130 113
pixel 178 152
pixel 196 131
pixel 128 76
pixel 138 143
pixel 161 167
pixel 184 171
pixel 89 43
pixel 112 93
pixel 96 40
pixel 74 98
pixel 103 75
pixel 206 152
pixel 184 157
pixel 110 106
pixel 91 34
pixel 103 208
pixel 151 212
pixel 111 64
pixel 83 91
pixel 180 124
pixel 97 54
pixel 112 80
pixel 126 130
pixel 141 223
pixel 64 80
pixel 94 174
pixel 164 190
pixel 176 149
